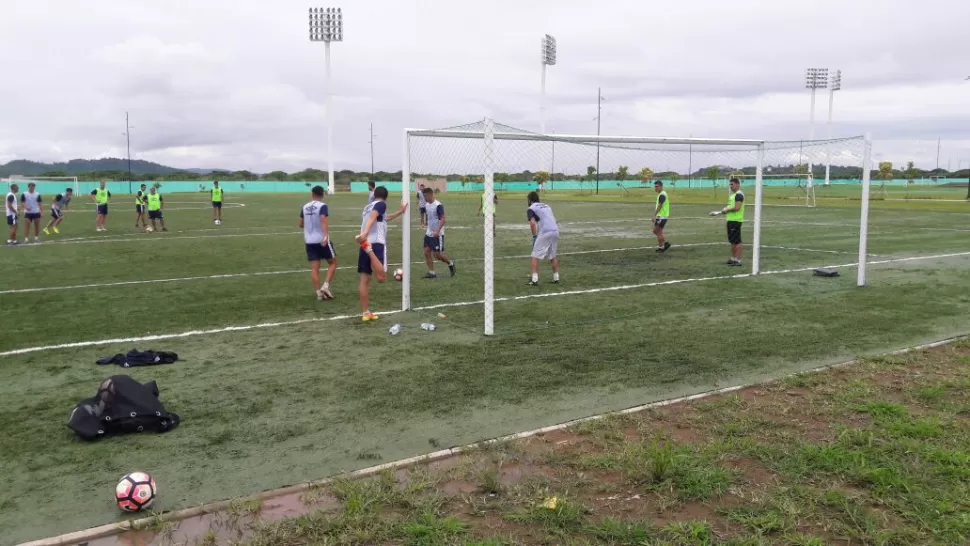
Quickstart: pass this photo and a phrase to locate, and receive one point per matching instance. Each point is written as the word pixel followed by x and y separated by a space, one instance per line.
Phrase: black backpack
pixel 122 405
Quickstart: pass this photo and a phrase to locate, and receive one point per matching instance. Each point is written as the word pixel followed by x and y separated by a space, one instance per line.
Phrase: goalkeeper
pixel 734 214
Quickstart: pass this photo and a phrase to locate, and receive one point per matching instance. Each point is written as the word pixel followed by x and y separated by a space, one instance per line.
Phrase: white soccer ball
pixel 135 492
pixel 398 274
pixel 218 222
pixel 149 229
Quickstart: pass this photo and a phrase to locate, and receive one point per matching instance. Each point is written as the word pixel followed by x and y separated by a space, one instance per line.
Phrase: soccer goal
pixel 24 180
pixel 603 191
pixel 794 186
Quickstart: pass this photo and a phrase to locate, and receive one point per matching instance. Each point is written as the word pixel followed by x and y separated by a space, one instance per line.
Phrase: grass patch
pixel 260 410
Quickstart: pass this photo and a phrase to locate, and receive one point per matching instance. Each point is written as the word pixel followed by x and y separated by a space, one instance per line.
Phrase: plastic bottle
pixel 395 330
pixel 427 326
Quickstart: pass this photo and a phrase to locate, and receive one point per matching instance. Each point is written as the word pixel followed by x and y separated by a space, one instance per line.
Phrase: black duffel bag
pixel 122 405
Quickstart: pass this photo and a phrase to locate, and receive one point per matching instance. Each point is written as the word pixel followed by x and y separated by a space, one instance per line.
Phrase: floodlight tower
pixel 815 78
pixel 835 84
pixel 548 58
pixel 327 25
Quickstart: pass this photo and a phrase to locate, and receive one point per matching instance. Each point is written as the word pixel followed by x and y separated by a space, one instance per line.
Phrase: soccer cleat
pixel 452 269
pixel 736 264
pixel 368 316
pixel 431 276
pixel 164 229
pixel 731 262
pixel 666 246
pixel 659 249
pixel 319 295
pixel 46 232
pixel 56 230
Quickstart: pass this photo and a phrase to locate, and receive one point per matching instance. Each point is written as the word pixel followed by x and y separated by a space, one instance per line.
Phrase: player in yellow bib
pixel 155 206
pixel 484 209
pixel 734 214
pixel 141 199
pixel 217 197
pixel 101 196
pixel 660 215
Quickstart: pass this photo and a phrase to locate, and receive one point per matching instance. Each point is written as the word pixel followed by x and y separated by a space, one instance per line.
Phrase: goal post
pixel 23 180
pixel 479 161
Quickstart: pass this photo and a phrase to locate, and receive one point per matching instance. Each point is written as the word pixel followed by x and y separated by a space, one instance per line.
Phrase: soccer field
pixel 276 388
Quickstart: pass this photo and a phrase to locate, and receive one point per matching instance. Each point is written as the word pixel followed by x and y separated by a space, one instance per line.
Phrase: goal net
pixel 45 184
pixel 603 193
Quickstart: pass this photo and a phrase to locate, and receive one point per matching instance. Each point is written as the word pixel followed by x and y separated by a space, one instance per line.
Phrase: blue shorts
pixel 56 213
pixel 316 252
pixel 363 259
pixel 155 215
pixel 436 244
pixel 139 208
pixel 660 223
pixel 217 204
pixel 103 210
pixel 32 215
pixel 11 219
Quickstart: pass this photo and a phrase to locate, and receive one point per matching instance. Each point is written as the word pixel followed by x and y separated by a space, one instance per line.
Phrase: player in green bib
pixel 660 215
pixel 101 196
pixel 217 197
pixel 141 199
pixel 734 214
pixel 484 208
pixel 155 206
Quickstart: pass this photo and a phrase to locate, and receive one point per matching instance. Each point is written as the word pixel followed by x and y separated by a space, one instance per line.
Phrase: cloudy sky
pixel 236 83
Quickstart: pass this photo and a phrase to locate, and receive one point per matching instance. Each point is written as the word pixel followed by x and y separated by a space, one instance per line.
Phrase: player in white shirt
pixel 434 236
pixel 31 201
pixel 316 235
pixel 372 258
pixel 370 191
pixel 421 205
pixel 12 213
pixel 545 237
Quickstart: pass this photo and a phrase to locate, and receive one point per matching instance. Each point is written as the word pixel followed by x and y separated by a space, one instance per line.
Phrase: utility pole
pixel 372 152
pixel 599 111
pixel 938 154
pixel 128 139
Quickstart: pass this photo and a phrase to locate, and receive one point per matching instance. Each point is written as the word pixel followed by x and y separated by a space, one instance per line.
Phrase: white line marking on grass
pixel 142 237
pixel 193 333
pixel 291 272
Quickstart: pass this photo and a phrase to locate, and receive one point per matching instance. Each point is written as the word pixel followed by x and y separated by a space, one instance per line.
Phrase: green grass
pixel 279 405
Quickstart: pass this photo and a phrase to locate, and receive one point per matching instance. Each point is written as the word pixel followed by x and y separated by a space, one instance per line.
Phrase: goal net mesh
pixel 607 248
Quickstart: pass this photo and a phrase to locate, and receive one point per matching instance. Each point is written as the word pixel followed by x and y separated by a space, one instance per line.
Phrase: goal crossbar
pixel 584 139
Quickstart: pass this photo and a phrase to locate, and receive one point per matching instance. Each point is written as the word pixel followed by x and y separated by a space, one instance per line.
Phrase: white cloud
pixel 236 84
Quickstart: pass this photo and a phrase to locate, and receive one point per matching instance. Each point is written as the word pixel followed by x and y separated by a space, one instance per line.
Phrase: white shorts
pixel 546 246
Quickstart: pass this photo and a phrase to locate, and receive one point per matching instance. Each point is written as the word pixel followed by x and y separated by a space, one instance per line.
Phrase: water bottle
pixel 427 326
pixel 395 330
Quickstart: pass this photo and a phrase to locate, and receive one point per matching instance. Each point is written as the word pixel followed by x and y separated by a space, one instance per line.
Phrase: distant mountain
pixel 76 166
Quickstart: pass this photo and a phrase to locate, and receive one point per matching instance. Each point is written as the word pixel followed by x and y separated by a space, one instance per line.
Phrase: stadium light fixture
pixel 327 25
pixel 835 84
pixel 548 58
pixel 815 78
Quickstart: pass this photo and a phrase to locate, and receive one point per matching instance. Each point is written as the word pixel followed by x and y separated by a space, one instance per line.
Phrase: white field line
pixel 295 271
pixel 142 237
pixel 264 325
